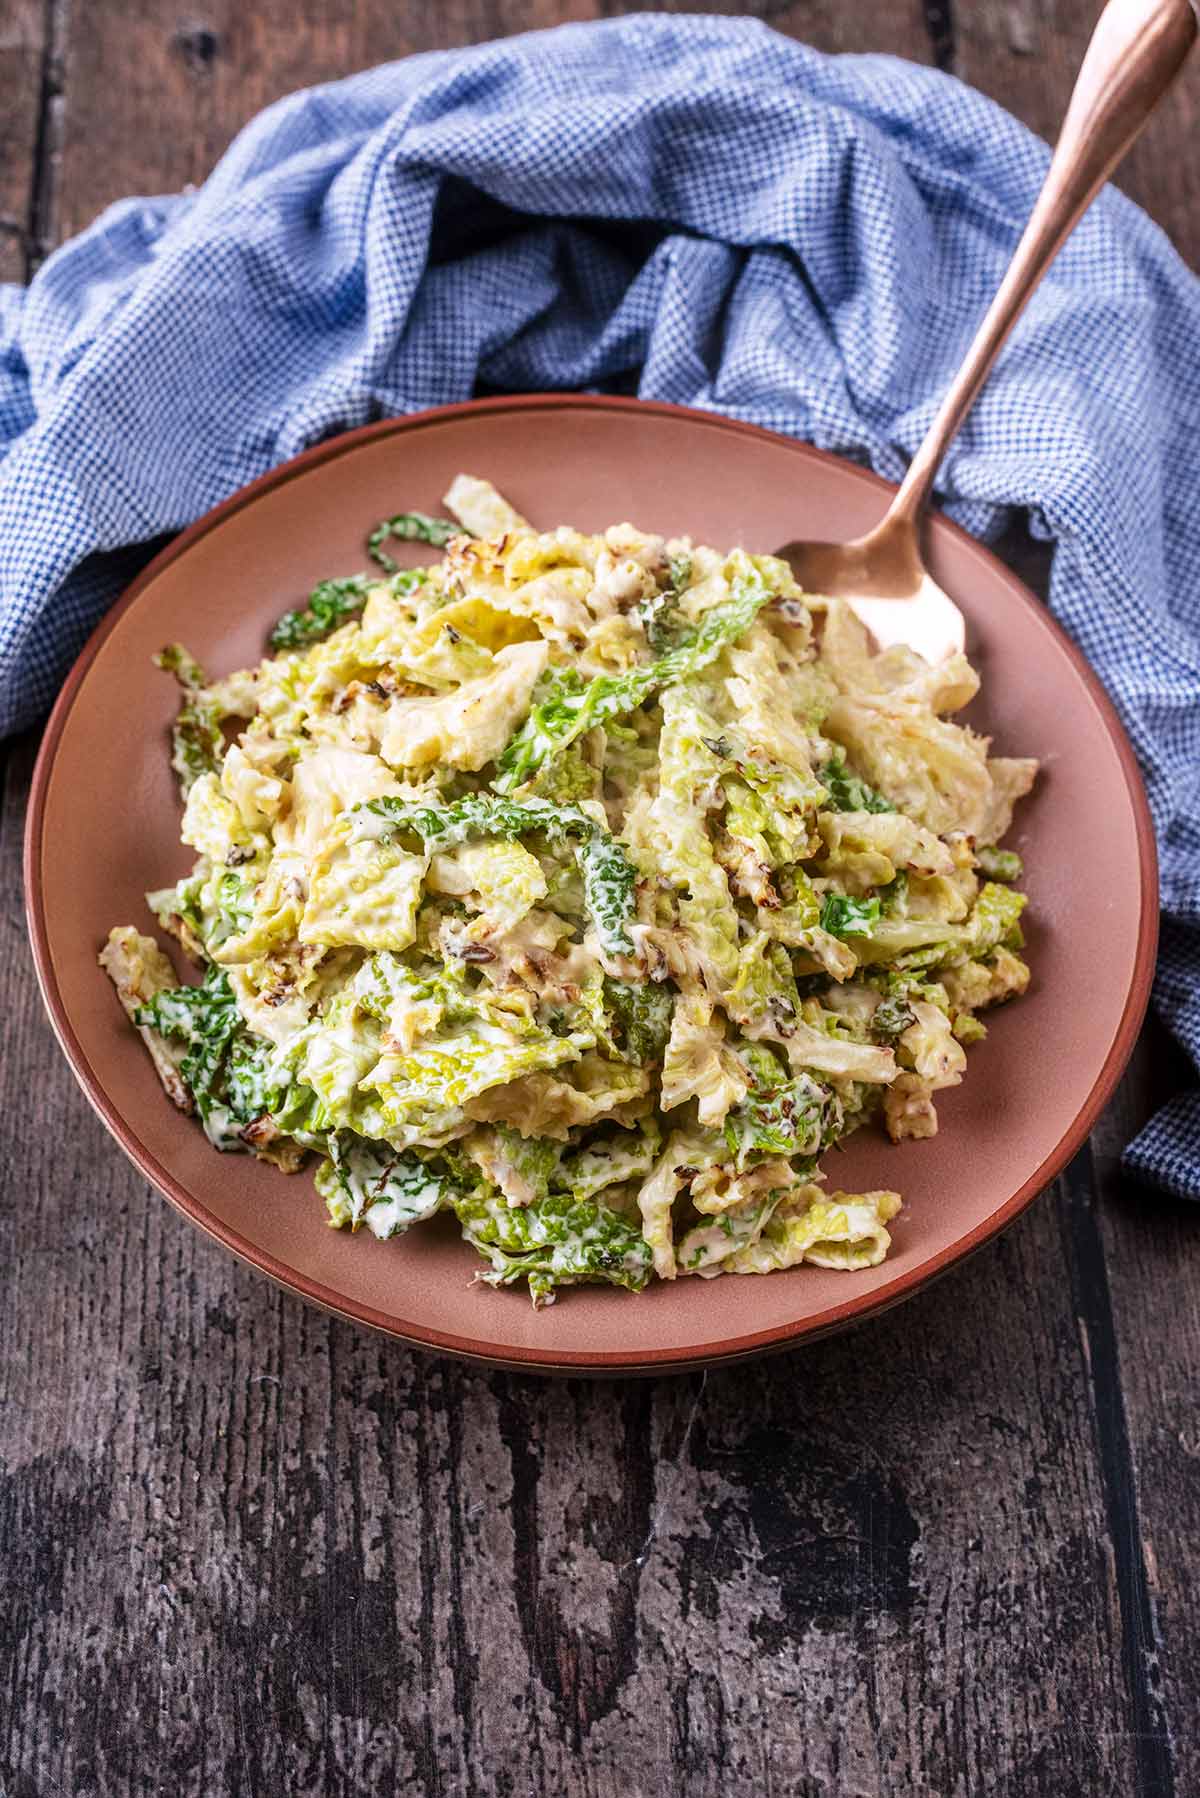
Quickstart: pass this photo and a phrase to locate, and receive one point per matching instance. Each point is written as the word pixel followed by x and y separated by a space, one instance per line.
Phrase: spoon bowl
pixel 884 581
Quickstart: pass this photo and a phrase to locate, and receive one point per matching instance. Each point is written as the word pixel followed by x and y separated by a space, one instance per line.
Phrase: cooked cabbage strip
pixel 608 874
pixel 569 709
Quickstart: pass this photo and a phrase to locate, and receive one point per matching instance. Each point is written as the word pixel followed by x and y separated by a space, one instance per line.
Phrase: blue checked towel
pixel 695 209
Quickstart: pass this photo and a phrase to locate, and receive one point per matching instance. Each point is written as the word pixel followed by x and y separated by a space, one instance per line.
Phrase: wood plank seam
pixel 940 29
pixel 41 229
pixel 1140 1637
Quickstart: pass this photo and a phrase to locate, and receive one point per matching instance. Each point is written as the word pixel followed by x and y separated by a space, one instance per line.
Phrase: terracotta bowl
pixel 103 828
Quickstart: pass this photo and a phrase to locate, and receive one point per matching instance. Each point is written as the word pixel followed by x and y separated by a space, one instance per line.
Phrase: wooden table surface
pixel 251 1550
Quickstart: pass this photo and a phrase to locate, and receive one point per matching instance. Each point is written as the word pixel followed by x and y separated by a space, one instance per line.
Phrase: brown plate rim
pixel 850 1310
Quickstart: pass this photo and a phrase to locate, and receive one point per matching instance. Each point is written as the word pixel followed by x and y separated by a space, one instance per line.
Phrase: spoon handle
pixel 1137 49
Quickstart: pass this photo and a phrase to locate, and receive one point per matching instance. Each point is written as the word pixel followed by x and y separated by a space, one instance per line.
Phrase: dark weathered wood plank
pixel 251 1550
pixel 1026 54
pixel 1151 1249
pixel 1153 1747
pixel 195 83
pixel 189 87
pixel 23 77
pixel 1133 1261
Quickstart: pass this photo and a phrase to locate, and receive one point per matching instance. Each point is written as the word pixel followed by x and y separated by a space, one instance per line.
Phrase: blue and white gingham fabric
pixel 695 209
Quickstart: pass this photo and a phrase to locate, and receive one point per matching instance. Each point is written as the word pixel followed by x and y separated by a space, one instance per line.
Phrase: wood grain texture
pixel 188 83
pixel 25 79
pixel 1025 55
pixel 1150 1250
pixel 246 1549
pixel 210 73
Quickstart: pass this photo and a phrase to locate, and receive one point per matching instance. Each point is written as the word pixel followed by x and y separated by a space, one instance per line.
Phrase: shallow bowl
pixel 103 828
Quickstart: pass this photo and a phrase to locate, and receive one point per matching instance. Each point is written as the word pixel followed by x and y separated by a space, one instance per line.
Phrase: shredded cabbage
pixel 584 889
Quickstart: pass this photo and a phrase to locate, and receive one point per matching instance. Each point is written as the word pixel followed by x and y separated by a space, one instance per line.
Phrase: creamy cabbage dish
pixel 587 888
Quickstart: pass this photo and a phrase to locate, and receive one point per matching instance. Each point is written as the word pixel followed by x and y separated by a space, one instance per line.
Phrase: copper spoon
pixel 1137 49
